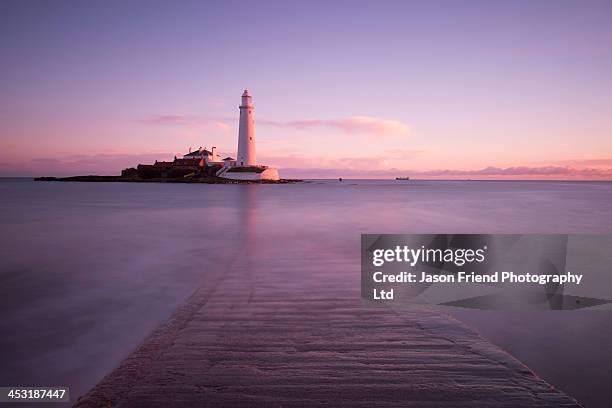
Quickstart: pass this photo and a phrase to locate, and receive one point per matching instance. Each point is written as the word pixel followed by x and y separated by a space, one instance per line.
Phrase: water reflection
pixel 88 270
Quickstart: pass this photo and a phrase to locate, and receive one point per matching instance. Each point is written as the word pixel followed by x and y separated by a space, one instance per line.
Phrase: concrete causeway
pixel 260 334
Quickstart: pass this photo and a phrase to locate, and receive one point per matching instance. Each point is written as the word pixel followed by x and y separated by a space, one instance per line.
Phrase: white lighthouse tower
pixel 245 166
pixel 246 132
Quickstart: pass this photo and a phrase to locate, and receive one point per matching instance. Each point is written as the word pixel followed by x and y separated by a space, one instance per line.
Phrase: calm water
pixel 89 269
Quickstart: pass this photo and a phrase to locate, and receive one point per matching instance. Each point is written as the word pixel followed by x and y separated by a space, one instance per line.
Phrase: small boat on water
pixel 403 178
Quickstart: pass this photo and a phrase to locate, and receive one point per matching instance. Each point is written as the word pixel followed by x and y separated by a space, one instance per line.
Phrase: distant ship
pixel 403 178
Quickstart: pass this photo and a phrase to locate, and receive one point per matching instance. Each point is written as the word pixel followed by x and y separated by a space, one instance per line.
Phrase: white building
pixel 245 166
pixel 210 157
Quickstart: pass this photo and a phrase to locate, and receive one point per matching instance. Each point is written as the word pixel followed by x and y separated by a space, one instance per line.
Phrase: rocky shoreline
pixel 196 179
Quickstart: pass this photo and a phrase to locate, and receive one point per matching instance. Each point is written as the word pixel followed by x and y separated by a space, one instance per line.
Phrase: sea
pixel 88 270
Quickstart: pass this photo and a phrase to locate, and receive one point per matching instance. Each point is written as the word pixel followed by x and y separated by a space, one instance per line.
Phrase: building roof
pixel 164 164
pixel 198 153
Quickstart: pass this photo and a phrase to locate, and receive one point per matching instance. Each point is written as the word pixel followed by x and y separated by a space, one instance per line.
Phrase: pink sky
pixel 475 91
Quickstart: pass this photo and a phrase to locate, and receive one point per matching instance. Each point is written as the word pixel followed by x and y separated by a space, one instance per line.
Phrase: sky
pixel 364 89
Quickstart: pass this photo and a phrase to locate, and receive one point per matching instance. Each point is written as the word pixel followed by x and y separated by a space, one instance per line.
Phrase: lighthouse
pixel 245 166
pixel 246 132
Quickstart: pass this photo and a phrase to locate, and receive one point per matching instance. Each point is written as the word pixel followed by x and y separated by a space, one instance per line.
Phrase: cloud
pixel 351 124
pixel 585 162
pixel 518 172
pixel 391 163
pixel 102 164
pixel 169 120
pixel 362 125
pixel 222 125
pixel 45 160
pixel 525 171
pixel 374 162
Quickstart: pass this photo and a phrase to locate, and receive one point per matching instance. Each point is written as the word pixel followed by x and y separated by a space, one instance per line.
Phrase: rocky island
pixel 203 180
pixel 195 167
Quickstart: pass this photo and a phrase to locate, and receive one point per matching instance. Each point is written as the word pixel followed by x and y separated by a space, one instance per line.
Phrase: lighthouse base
pixel 249 173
